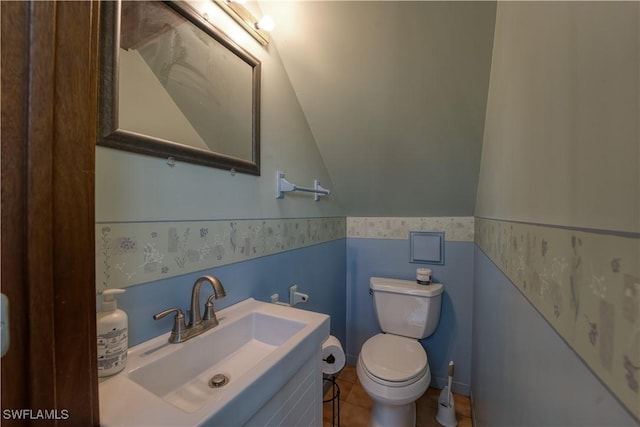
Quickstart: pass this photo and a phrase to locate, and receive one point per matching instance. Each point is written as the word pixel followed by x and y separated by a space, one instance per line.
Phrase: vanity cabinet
pixel 299 401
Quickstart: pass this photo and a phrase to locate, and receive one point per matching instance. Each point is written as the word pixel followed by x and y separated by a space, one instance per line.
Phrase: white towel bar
pixel 284 186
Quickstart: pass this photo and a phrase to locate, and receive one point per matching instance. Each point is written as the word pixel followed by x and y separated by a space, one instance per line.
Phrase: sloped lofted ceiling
pixel 395 95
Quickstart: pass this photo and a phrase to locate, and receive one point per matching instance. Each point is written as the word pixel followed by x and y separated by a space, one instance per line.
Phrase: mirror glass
pixel 174 86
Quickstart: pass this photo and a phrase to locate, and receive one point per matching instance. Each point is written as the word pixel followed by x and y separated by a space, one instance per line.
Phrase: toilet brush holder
pixel 446 415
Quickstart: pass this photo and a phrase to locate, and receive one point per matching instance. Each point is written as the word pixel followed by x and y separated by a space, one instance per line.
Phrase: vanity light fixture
pixel 256 28
pixel 266 23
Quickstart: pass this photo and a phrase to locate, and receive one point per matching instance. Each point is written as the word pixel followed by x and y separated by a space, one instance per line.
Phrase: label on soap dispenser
pixel 112 350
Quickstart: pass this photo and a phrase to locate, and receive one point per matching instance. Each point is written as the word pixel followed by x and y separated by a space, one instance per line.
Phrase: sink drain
pixel 218 380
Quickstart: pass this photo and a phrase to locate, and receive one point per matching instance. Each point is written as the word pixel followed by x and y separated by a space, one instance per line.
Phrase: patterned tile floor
pixel 355 405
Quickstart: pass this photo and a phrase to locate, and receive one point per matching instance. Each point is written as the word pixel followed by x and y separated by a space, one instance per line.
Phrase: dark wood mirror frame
pixel 110 135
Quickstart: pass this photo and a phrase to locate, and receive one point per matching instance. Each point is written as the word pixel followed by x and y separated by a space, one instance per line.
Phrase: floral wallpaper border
pixel 456 229
pixel 586 285
pixel 131 253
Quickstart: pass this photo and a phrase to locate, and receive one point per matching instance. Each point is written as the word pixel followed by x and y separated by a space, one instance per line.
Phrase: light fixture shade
pixel 243 16
pixel 266 23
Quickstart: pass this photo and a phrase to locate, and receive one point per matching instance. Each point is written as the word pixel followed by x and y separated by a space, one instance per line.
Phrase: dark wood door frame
pixel 49 114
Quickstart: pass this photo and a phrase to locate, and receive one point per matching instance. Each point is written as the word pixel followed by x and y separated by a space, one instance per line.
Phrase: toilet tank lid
pixel 398 286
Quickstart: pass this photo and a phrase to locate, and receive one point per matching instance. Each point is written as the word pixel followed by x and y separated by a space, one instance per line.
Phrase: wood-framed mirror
pixel 173 86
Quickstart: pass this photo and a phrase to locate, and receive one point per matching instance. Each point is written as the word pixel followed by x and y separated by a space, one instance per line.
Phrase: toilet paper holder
pixel 296 297
pixel 330 359
pixel 333 359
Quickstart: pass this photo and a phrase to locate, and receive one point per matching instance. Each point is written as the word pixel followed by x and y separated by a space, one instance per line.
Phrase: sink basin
pixel 182 377
pixel 254 351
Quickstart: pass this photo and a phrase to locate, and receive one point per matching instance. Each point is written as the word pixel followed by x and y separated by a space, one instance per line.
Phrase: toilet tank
pixel 406 308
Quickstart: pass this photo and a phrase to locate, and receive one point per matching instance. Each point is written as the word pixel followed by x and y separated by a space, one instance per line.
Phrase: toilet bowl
pixel 392 366
pixel 393 371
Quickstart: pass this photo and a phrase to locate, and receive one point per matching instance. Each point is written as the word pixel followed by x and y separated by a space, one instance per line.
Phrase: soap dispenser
pixel 113 335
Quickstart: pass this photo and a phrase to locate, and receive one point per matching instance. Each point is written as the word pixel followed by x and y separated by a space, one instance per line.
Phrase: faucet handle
pixel 179 326
pixel 209 313
pixel 164 313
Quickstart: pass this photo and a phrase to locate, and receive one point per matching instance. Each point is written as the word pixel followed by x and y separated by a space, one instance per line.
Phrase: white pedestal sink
pixel 261 349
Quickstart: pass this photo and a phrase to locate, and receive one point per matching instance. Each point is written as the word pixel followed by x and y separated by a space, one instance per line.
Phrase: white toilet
pixel 392 366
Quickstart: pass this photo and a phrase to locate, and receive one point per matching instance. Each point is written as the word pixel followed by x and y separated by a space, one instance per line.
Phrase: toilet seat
pixel 393 360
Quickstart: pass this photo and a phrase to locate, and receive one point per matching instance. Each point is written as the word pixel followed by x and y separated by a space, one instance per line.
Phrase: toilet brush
pixel 450 373
pixel 446 415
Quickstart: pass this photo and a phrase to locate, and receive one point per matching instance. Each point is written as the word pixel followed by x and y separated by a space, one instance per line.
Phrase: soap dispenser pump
pixel 113 335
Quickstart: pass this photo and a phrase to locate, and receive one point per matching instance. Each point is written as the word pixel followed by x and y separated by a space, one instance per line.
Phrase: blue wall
pixel 524 374
pixel 390 258
pixel 318 270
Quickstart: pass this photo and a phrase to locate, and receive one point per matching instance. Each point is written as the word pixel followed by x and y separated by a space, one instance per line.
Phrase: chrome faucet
pixel 197 323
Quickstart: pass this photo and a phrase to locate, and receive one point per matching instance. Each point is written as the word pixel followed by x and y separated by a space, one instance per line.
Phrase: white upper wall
pixel 561 138
pixel 395 94
pixel 383 102
pixel 132 187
